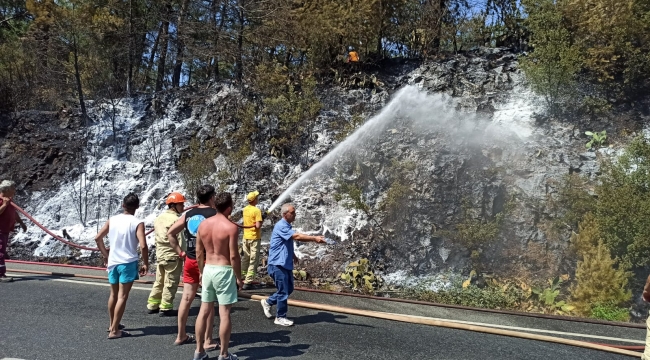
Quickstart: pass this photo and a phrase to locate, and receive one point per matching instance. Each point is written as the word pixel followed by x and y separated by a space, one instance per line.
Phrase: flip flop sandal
pixel 122 335
pixel 188 340
pixel 119 327
pixel 212 347
pixel 201 356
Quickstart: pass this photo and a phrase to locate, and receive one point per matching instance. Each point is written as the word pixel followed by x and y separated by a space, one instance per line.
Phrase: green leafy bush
pixel 547 297
pixel 610 311
pixel 300 275
pixel 360 276
pixel 597 139
pixel 489 297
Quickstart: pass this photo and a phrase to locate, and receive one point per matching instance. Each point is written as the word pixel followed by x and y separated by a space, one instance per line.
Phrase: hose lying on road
pixel 69 243
pixel 496 311
pixel 446 324
pixel 407 301
pixel 619 349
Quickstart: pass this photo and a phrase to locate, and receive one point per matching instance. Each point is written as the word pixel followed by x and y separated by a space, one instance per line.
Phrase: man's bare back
pixel 218 236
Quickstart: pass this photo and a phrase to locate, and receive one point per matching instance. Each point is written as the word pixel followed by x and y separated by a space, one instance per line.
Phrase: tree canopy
pixel 54 52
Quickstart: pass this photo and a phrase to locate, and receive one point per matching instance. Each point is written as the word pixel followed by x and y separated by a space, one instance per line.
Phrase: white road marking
pixel 413 316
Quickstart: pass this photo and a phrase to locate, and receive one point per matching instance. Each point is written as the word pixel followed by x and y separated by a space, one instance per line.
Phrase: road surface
pixel 48 318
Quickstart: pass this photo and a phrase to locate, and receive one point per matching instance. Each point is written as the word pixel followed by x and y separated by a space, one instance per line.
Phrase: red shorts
pixel 191 271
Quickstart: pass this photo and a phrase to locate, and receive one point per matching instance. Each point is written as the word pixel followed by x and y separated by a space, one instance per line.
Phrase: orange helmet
pixel 175 198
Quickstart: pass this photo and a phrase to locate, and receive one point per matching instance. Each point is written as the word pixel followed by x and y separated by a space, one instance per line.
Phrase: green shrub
pixel 597 139
pixel 610 311
pixel 300 275
pixel 197 166
pixel 489 297
pixel 290 104
pixel 623 205
pixel 475 230
pixel 547 297
pixel 360 276
pixel 598 280
pixel 587 237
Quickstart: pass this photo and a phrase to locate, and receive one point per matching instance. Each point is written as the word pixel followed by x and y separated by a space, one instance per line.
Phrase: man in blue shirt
pixel 281 258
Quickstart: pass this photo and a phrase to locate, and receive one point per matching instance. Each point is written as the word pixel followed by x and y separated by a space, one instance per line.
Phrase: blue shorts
pixel 123 273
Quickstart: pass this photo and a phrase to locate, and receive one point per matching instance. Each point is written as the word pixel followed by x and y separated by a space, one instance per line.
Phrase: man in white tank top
pixel 125 232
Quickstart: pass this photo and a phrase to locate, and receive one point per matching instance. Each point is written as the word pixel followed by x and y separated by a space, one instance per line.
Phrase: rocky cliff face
pixel 467 156
pixel 38 148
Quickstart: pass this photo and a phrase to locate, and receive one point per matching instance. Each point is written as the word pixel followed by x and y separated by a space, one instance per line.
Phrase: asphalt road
pixel 45 319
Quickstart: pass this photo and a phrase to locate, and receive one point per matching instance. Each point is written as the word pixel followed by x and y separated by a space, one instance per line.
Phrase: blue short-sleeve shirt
pixel 281 247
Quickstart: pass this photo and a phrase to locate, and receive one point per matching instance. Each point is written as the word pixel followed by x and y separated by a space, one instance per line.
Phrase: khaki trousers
pixel 250 259
pixel 168 275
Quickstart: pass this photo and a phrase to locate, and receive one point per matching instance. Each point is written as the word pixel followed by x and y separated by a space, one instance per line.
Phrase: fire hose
pixel 71 244
pixel 621 350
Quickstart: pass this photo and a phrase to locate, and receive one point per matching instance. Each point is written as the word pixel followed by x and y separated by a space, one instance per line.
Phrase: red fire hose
pixel 57 237
pixel 69 243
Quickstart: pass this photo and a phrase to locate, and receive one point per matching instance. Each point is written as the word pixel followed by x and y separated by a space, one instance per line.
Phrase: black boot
pixel 164 313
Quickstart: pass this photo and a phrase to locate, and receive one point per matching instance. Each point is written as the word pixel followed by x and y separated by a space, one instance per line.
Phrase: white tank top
pixel 123 240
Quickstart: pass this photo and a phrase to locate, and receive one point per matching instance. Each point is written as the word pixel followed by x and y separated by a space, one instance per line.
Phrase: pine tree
pixel 599 280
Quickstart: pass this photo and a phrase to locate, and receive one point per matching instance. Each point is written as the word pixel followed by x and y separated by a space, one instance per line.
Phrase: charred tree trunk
pixel 154 50
pixel 163 51
pixel 77 76
pixel 129 74
pixel 180 46
pixel 239 66
pixel 217 33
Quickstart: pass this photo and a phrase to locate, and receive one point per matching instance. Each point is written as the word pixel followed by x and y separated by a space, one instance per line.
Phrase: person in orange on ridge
pixel 353 56
pixel 169 264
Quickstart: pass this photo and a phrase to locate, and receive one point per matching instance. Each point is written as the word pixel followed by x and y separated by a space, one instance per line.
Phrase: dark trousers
pixel 4 242
pixel 283 279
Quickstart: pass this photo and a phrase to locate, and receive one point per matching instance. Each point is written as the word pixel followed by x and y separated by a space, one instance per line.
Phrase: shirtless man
pixel 221 273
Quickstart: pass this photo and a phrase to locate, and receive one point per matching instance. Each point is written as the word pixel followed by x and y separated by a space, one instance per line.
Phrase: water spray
pixel 408 103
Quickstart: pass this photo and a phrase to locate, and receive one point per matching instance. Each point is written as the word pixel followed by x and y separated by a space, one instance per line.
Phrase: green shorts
pixel 219 284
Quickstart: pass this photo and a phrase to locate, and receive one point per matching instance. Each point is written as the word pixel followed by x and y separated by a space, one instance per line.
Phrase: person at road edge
pixel 169 265
pixel 189 223
pixel 8 219
pixel 125 232
pixel 251 239
pixel 221 273
pixel 280 263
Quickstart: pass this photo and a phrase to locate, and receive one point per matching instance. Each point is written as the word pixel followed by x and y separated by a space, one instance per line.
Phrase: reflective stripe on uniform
pixel 166 306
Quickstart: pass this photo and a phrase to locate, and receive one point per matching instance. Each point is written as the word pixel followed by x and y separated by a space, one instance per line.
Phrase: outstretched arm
pixel 308 238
